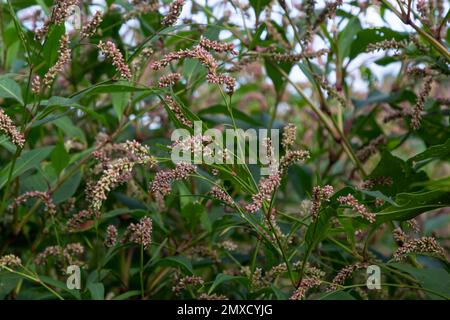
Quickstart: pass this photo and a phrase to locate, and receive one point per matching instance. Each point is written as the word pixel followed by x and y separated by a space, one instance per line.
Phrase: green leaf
pixel 193 70
pixel 377 97
pixel 318 231
pixel 379 195
pixel 259 5
pixel 373 35
pixel 60 285
pixel 10 89
pixel 436 280
pixel 222 278
pixel 277 78
pixel 56 102
pixel 337 295
pixel 237 114
pixel 177 261
pixel 347 37
pixel 410 205
pixel 19 29
pixel 68 188
pixel 403 176
pixel 127 295
pixel 97 290
pixel 28 160
pixel 59 157
pixel 440 151
pixel 120 101
pixel 281 295
pixel 192 213
pixel 109 87
pixel 67 126
pixel 8 282
pixel 51 46
pixel 7 144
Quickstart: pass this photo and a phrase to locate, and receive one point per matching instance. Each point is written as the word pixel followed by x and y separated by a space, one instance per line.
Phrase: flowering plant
pixel 358 177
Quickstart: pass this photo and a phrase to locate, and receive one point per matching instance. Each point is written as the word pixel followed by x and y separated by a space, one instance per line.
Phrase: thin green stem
pixel 141 272
pixel 34 279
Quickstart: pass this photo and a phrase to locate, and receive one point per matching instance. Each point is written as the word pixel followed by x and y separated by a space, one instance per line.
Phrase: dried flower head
pixel 371 148
pixel 68 255
pixel 296 57
pixel 275 271
pixel 110 50
pixel 266 187
pixel 142 7
pixel 140 233
pixel 36 85
pixel 308 6
pixel 424 11
pixel 399 236
pixel 357 207
pixel 141 59
pixel 420 103
pixel 169 80
pixel 205 58
pixel 111 236
pixel 220 194
pixel 309 270
pixel 387 45
pixel 58 16
pixel 327 13
pixel 203 251
pixel 255 276
pixel 396 114
pixel 228 81
pixel 331 91
pixel 379 202
pixel 184 282
pixel 289 134
pixel 79 220
pixel 10 261
pixel 45 197
pixel 270 223
pixel 291 157
pixel 174 12
pixel 217 45
pixel 7 127
pixel 320 194
pixel 370 183
pixel 118 171
pixel 422 245
pixel 90 28
pixel 63 59
pixel 161 185
pixel 228 245
pixel 272 30
pixel 345 273
pixel 305 284
pixel 176 109
pixel 414 225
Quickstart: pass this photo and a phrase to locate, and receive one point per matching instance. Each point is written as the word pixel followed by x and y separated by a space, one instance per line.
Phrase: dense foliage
pixel 359 90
